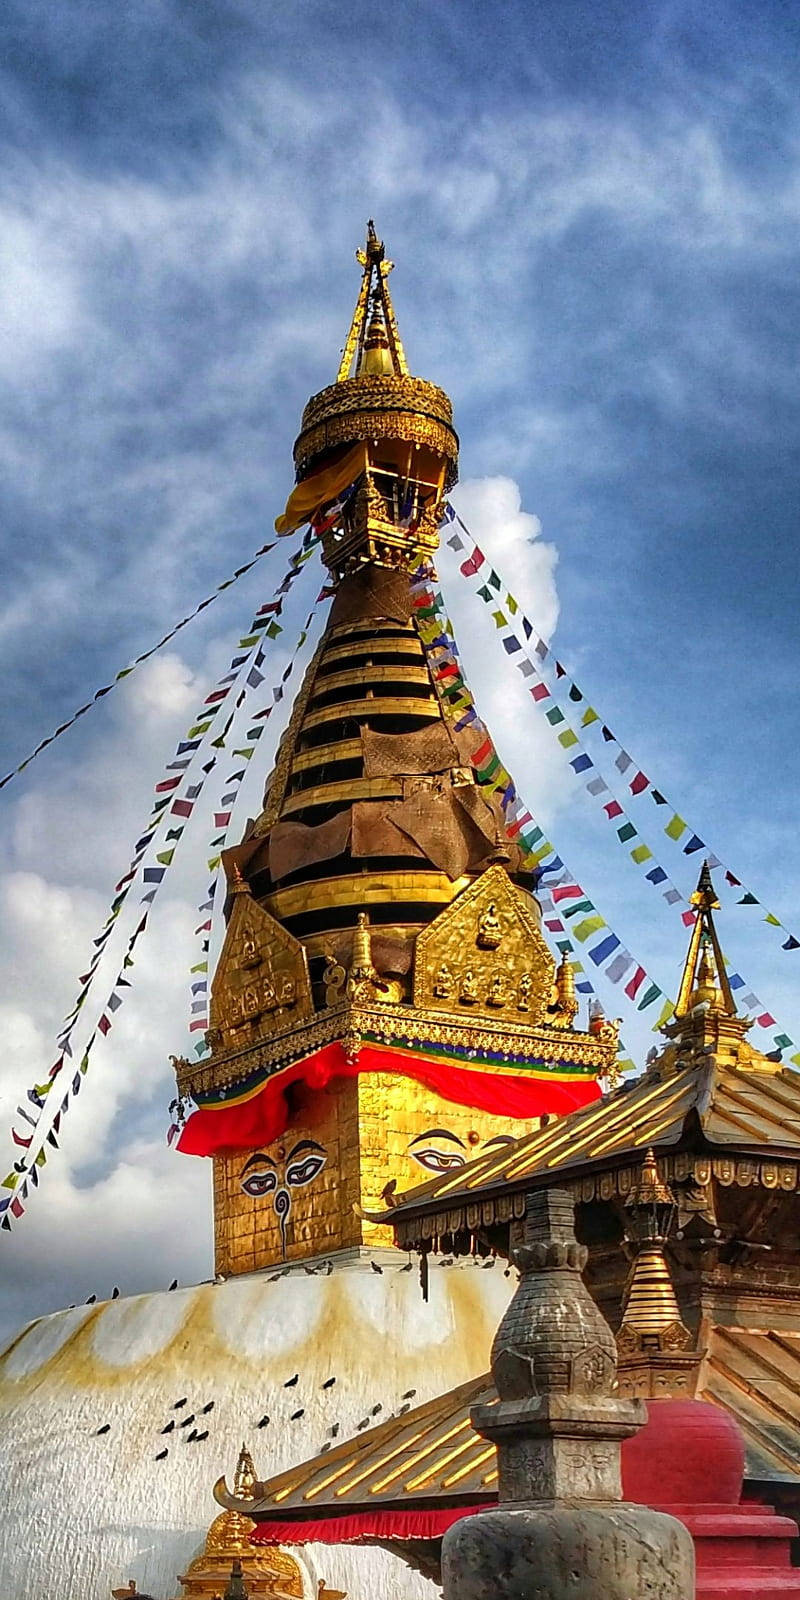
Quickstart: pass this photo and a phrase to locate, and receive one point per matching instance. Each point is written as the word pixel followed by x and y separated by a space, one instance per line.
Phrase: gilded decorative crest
pixel 261 983
pixel 484 953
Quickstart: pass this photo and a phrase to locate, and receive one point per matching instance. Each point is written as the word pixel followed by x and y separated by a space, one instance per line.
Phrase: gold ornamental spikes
pixel 375 343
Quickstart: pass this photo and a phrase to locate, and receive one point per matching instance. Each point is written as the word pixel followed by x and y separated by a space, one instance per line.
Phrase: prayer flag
pixel 588 926
pixel 634 984
pixel 695 843
pixel 675 827
pixel 604 949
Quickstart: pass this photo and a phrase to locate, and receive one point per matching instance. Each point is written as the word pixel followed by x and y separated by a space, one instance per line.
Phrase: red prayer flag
pixel 472 563
pixel 569 891
pixel 634 984
pixel 613 809
pixel 639 783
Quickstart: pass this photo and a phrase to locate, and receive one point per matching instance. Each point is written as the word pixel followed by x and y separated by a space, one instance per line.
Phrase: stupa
pixel 385 1006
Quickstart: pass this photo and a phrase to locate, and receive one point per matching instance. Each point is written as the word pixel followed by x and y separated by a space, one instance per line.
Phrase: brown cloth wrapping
pixel 376 834
pixel 294 844
pixel 371 594
pixel 398 754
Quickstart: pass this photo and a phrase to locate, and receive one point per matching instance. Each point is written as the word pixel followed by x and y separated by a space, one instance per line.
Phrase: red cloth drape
pixel 258 1120
pixel 362 1525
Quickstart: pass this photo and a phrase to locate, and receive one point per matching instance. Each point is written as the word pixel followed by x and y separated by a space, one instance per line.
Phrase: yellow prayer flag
pixel 675 827
pixel 321 487
pixel 641 853
pixel 589 716
pixel 567 738
pixel 588 926
pixel 774 920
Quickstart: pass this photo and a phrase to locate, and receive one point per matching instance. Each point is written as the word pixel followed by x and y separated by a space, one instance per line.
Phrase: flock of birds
pixel 175 1424
pixel 197 1435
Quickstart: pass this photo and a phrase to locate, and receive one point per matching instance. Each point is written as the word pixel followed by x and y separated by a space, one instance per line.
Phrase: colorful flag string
pixel 597 787
pixel 198 972
pixel 563 899
pixel 492 589
pixel 125 672
pixel 244 673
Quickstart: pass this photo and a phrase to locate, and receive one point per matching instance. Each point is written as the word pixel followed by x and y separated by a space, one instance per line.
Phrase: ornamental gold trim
pixel 483 1211
pixel 396 1025
pixel 379 393
pixel 406 426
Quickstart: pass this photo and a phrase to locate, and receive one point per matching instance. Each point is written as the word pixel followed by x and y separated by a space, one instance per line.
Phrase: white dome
pixel 84 1513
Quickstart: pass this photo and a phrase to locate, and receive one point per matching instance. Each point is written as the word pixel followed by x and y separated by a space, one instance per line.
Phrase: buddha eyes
pixel 439 1160
pixel 257 1184
pixel 299 1173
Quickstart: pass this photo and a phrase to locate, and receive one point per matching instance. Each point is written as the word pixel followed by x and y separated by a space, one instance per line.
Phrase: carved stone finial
pixel 561 1529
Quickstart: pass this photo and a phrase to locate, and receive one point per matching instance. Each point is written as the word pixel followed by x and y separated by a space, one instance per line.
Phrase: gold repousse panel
pixel 485 954
pixel 261 983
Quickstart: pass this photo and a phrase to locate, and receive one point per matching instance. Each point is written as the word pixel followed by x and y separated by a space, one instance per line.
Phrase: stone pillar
pixel 561 1530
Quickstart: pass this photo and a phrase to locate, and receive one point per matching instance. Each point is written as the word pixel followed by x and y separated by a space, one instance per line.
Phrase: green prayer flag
pixel 626 832
pixel 577 907
pixel 484 593
pixel 675 827
pixel 651 993
pixel 554 715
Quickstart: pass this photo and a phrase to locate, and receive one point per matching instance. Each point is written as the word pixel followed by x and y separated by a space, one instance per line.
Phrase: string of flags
pixel 125 672
pixel 198 971
pixel 569 913
pixel 493 591
pixel 597 787
pixel 175 801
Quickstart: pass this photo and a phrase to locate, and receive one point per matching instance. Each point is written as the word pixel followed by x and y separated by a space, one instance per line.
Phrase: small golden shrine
pixel 267 1571
pixel 384 1004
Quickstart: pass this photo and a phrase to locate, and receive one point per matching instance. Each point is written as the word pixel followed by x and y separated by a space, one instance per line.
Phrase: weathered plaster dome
pixel 84 1512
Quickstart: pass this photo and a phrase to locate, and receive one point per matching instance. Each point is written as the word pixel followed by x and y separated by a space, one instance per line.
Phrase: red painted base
pixel 688 1451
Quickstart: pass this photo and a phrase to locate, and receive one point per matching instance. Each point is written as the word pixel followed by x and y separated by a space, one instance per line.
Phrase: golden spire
pixel 376 356
pixel 652 1341
pixel 245 1475
pixel 565 989
pixel 650 1305
pixel 700 980
pixel 392 356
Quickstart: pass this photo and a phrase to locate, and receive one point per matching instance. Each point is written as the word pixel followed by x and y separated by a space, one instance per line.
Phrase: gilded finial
pixel 385 356
pixel 239 885
pixel 244 1477
pixel 565 996
pixel 703 946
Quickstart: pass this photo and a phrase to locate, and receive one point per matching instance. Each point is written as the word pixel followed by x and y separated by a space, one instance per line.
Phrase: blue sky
pixel 594 216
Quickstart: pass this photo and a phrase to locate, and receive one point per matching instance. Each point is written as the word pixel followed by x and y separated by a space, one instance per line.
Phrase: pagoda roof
pixel 415 1470
pixel 701 1109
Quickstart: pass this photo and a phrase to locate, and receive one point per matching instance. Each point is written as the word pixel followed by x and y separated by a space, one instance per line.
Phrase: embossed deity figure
pixel 381 1008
